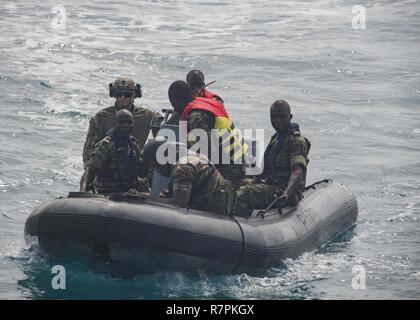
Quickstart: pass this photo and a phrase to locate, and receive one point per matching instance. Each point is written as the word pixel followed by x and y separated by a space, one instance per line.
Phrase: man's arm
pixel 182 180
pixel 144 169
pixel 293 184
pixel 87 179
pixel 92 139
pixel 96 162
pixel 182 197
pixel 298 162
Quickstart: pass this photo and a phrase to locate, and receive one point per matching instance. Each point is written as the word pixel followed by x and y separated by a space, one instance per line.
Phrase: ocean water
pixel 354 92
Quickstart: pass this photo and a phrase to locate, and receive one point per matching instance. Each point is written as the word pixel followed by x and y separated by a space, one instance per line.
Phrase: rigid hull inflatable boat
pixel 142 235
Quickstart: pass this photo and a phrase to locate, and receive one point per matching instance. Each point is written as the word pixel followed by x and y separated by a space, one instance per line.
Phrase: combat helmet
pixel 124 85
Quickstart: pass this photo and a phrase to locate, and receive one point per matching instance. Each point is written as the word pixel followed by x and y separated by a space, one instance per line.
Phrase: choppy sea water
pixel 355 93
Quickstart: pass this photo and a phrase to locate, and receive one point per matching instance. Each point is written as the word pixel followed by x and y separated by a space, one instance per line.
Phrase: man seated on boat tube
pixel 285 165
pixel 194 180
pixel 116 163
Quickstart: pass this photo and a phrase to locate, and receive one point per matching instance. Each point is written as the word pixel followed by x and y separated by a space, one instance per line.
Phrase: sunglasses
pixel 281 116
pixel 124 94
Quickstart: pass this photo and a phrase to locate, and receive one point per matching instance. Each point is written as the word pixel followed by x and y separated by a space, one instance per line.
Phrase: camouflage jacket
pixel 105 161
pixel 200 119
pixel 206 121
pixel 104 121
pixel 195 173
pixel 293 152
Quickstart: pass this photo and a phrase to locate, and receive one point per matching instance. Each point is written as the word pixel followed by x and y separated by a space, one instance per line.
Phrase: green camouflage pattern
pixel 204 120
pixel 104 158
pixel 200 119
pixel 259 195
pixel 209 190
pixel 235 173
pixel 124 83
pixel 104 121
pixel 220 200
pixel 294 152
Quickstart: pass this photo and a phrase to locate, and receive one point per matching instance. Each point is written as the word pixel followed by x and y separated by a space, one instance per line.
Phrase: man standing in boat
pixel 195 81
pixel 194 180
pixel 285 166
pixel 125 91
pixel 116 163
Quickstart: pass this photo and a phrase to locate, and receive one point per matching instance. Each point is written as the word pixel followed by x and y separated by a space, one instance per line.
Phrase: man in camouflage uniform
pixel 194 180
pixel 116 163
pixel 125 91
pixel 198 119
pixel 180 97
pixel 285 165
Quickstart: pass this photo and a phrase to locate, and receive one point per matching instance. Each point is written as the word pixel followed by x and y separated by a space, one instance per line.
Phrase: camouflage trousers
pixel 258 196
pixel 143 185
pixel 235 173
pixel 219 201
pixel 107 187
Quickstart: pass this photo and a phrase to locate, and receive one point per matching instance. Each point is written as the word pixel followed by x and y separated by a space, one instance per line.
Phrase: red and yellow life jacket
pixel 207 94
pixel 233 141
pixel 210 95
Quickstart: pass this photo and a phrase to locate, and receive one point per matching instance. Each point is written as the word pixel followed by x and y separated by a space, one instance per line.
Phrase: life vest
pixel 210 95
pixel 274 173
pixel 127 164
pixel 274 147
pixel 232 141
